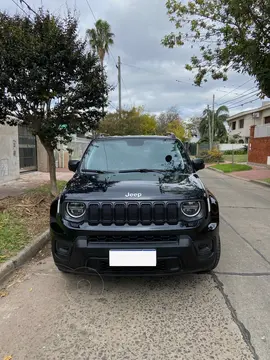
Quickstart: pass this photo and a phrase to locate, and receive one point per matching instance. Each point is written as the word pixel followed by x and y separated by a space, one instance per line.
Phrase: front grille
pixel 133 213
pixel 132 238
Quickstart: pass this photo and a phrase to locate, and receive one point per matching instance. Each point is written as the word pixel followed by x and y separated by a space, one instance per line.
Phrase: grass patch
pixel 24 217
pixel 13 235
pixel 227 168
pixel 45 189
pixel 237 158
pixel 267 180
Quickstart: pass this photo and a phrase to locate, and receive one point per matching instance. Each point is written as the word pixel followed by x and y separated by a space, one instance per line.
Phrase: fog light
pixel 212 226
pixel 62 248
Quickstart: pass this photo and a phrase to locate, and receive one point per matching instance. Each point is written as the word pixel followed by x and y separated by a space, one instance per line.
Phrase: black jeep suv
pixel 135 206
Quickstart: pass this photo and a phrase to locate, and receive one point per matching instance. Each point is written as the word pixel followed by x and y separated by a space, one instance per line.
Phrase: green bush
pixel 212 156
pixel 242 151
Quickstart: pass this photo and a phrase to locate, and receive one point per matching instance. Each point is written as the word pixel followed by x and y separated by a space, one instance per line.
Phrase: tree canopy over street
pixel 230 34
pixel 48 80
pixel 136 121
pixel 132 122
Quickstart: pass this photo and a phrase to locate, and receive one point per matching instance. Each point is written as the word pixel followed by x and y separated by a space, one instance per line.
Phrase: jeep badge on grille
pixel 133 195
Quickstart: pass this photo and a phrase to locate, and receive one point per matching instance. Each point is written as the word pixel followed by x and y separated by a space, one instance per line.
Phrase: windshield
pixel 136 153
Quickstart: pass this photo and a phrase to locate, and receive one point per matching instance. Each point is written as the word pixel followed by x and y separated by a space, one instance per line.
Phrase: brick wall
pixel 259 148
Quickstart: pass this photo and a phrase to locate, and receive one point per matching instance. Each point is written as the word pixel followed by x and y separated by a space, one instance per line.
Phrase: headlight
pixel 191 208
pixel 76 209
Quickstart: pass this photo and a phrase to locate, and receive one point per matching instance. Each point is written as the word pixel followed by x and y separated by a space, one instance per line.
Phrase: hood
pixel 118 187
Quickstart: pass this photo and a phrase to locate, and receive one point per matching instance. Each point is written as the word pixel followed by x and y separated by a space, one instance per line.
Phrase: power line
pixel 235 89
pixel 125 88
pixel 110 104
pixel 110 53
pixel 155 72
pixel 242 95
pixel 29 7
pixel 219 90
pixel 248 102
pixel 22 9
pixel 91 10
pixel 239 102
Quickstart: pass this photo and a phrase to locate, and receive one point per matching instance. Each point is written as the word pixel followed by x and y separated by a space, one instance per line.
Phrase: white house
pixel 240 123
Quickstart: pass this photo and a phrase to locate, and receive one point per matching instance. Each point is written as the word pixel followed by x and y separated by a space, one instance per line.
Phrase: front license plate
pixel 132 258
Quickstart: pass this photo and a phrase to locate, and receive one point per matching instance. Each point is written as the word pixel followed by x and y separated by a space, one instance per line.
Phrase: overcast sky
pixel 149 71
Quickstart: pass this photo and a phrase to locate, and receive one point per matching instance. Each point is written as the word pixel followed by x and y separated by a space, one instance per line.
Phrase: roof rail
pixel 172 135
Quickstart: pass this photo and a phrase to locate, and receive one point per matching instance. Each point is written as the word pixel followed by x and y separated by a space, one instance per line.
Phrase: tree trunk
pixel 52 170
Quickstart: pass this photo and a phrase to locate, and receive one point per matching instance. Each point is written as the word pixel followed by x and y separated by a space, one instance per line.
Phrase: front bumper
pixel 177 252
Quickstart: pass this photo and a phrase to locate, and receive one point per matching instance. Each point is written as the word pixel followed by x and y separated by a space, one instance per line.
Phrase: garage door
pixel 27 149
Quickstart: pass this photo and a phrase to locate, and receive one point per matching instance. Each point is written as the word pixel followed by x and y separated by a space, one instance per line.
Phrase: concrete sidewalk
pixel 29 181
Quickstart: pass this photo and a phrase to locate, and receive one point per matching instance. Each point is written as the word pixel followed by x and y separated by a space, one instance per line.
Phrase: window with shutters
pixel 241 124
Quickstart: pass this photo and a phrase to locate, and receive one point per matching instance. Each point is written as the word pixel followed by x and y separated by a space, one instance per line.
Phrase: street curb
pixel 217 170
pixel 228 174
pixel 260 183
pixel 25 254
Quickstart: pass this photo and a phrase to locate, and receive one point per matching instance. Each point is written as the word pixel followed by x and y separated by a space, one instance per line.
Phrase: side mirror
pixel 198 164
pixel 73 164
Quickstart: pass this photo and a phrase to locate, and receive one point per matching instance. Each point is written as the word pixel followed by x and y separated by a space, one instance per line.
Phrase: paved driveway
pixel 48 315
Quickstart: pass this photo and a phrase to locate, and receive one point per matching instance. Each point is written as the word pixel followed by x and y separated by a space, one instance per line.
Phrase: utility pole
pixel 119 85
pixel 213 121
pixel 209 127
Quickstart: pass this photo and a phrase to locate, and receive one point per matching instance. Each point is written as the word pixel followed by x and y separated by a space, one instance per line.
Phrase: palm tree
pixel 220 117
pixel 101 38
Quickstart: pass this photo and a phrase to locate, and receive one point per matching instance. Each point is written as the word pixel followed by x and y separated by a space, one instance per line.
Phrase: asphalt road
pixel 48 315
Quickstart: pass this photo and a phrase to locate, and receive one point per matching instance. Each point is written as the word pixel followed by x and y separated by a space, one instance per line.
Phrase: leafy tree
pixel 101 38
pixel 132 122
pixel 165 118
pixel 177 128
pixel 170 121
pixel 220 133
pixel 48 81
pixel 230 34
pixel 192 126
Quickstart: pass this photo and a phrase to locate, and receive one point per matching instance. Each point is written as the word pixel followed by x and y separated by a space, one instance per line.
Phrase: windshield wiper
pixel 144 170
pixel 97 171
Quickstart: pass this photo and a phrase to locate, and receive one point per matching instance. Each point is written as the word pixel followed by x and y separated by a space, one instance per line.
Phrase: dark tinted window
pixel 136 153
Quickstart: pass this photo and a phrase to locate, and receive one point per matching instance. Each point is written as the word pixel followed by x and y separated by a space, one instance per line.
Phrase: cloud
pixel 150 71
